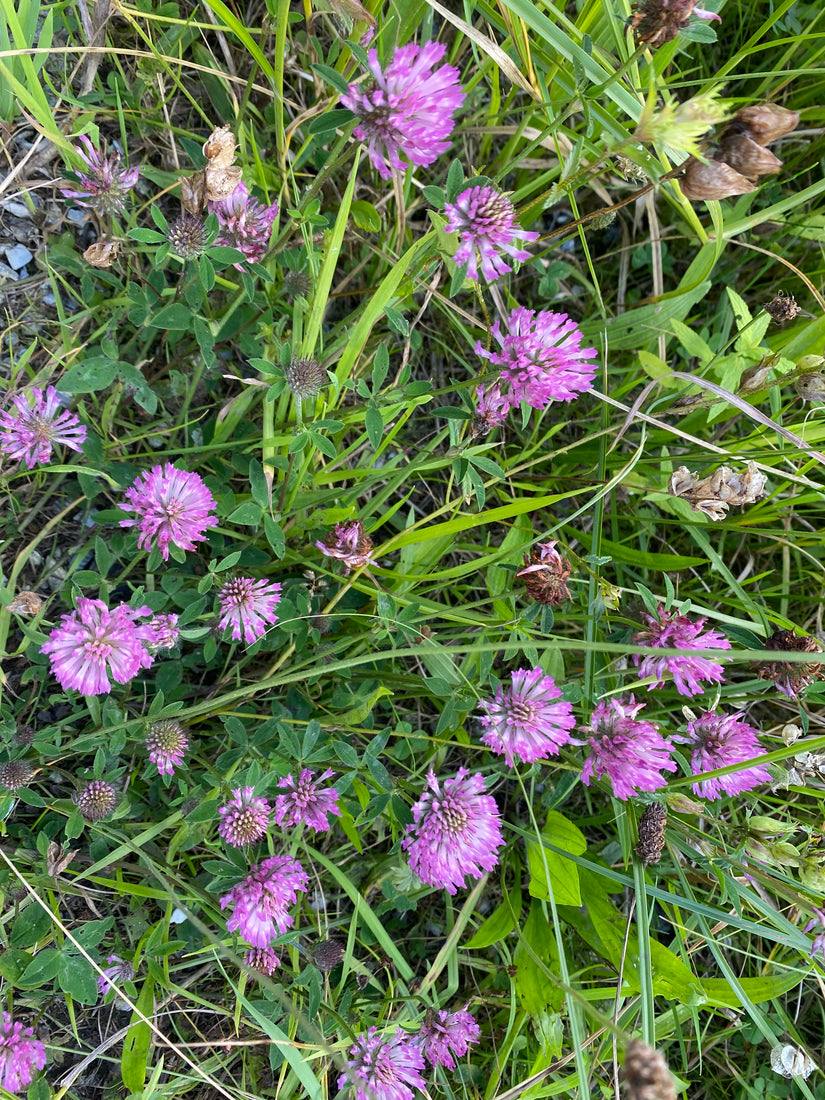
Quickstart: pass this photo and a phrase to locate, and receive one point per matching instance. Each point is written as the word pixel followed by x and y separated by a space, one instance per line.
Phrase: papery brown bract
pixel 744 155
pixel 713 180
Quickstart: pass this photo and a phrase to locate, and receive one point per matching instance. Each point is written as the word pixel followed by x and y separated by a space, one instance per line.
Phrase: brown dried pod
pixel 791 677
pixel 102 253
pixel 645 1073
pixel 219 147
pixel 752 160
pixel 193 192
pixel 26 603
pixel 714 180
pixel 810 387
pixel 783 307
pixel 221 182
pixel 652 833
pixel 767 121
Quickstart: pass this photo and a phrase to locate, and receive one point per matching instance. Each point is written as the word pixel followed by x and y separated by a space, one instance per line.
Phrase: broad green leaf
pixel 536 958
pixel 499 924
pixel 550 872
pixel 134 1060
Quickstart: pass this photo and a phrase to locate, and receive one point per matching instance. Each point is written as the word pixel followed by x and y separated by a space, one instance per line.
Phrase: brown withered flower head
pixel 713 180
pixel 545 574
pixel 102 253
pixel 791 678
pixel 652 833
pixel 714 495
pixel 656 22
pixel 783 307
pixel 645 1074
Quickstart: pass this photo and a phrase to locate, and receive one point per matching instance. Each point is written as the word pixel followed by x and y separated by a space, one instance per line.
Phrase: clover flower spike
pixel 306 801
pixel 629 751
pixel 248 606
pixel 407 108
pixel 245 818
pixel 670 630
pixel 104 185
pixel 492 406
pixel 92 642
pixel 173 506
pixel 261 900
pixel 456 831
pixel 166 743
pixel 817 920
pixel 245 223
pixel 444 1034
pixel 718 740
pixel 528 721
pixel 21 1055
pixel 486 220
pixel 161 632
pixel 38 423
pixel 383 1067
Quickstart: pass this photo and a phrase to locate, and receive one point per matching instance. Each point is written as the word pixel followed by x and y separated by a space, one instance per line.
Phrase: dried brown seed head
pixel 645 1074
pixel 219 147
pixel 26 603
pixel 766 122
pixel 714 180
pixel 715 493
pixel 327 954
pixel 783 307
pixel 656 22
pixel 652 833
pixel 102 253
pixel 791 678
pixel 545 574
pixel 193 192
pixel 749 158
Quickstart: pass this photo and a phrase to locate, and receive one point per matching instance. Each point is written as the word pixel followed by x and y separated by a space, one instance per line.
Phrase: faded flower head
pixel 545 574
pixel 246 224
pixel 651 839
pixel 173 506
pixel 262 959
pixel 790 677
pixel 670 630
pixel 15 774
pixel 161 632
pixel 486 220
pixel 248 606
pixel 715 494
pixel 327 954
pixel 166 743
pixel 104 184
pixel 383 1067
pixel 491 409
pixel 783 307
pixel 447 1034
pixel 305 377
pixel 656 22
pixel 645 1074
pixel 791 1061
pixel 718 740
pixel 102 254
pixel 245 818
pixel 261 900
pixel 38 423
pixel 629 751
pixel 456 831
pixel 541 358
pixel 117 970
pixel 21 1055
pixel 187 236
pixel 92 642
pixel 528 721
pixel 745 155
pixel 350 544
pixel 407 108
pixel 97 800
pixel 306 801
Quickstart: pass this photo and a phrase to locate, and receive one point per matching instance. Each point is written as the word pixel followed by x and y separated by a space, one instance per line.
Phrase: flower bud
pixel 187 236
pixel 97 800
pixel 767 121
pixel 15 774
pixel 752 160
pixel 305 377
pixel 714 180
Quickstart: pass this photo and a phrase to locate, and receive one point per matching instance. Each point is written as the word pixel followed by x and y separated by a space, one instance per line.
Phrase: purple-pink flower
pixel 444 1034
pixel 93 642
pixel 527 721
pixel 670 630
pixel 246 224
pixel 104 185
pixel 818 919
pixel 261 901
pixel 492 406
pixel 629 751
pixel 718 740
pixel 248 606
pixel 541 358
pixel 486 220
pixel 350 544
pixel 245 818
pixel 456 831
pixel 37 424
pixel 161 632
pixel 21 1055
pixel 383 1067
pixel 116 970
pixel 166 743
pixel 407 108
pixel 306 801
pixel 173 506
pixel 262 959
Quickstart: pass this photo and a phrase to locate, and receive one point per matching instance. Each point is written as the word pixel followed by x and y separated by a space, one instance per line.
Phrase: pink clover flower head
pixel 718 740
pixel 818 946
pixel 629 751
pixel 166 743
pixel 38 422
pixel 161 632
pixel 117 970
pixel 486 220
pixel 456 831
pixel 529 720
pixel 173 506
pixel 262 959
pixel 408 108
pixel 492 407
pixel 306 801
pixel 92 642
pixel 245 818
pixel 444 1034
pixel 383 1067
pixel 541 358
pixel 670 630
pixel 104 185
pixel 248 606
pixel 350 544
pixel 21 1055
pixel 245 223
pixel 261 901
